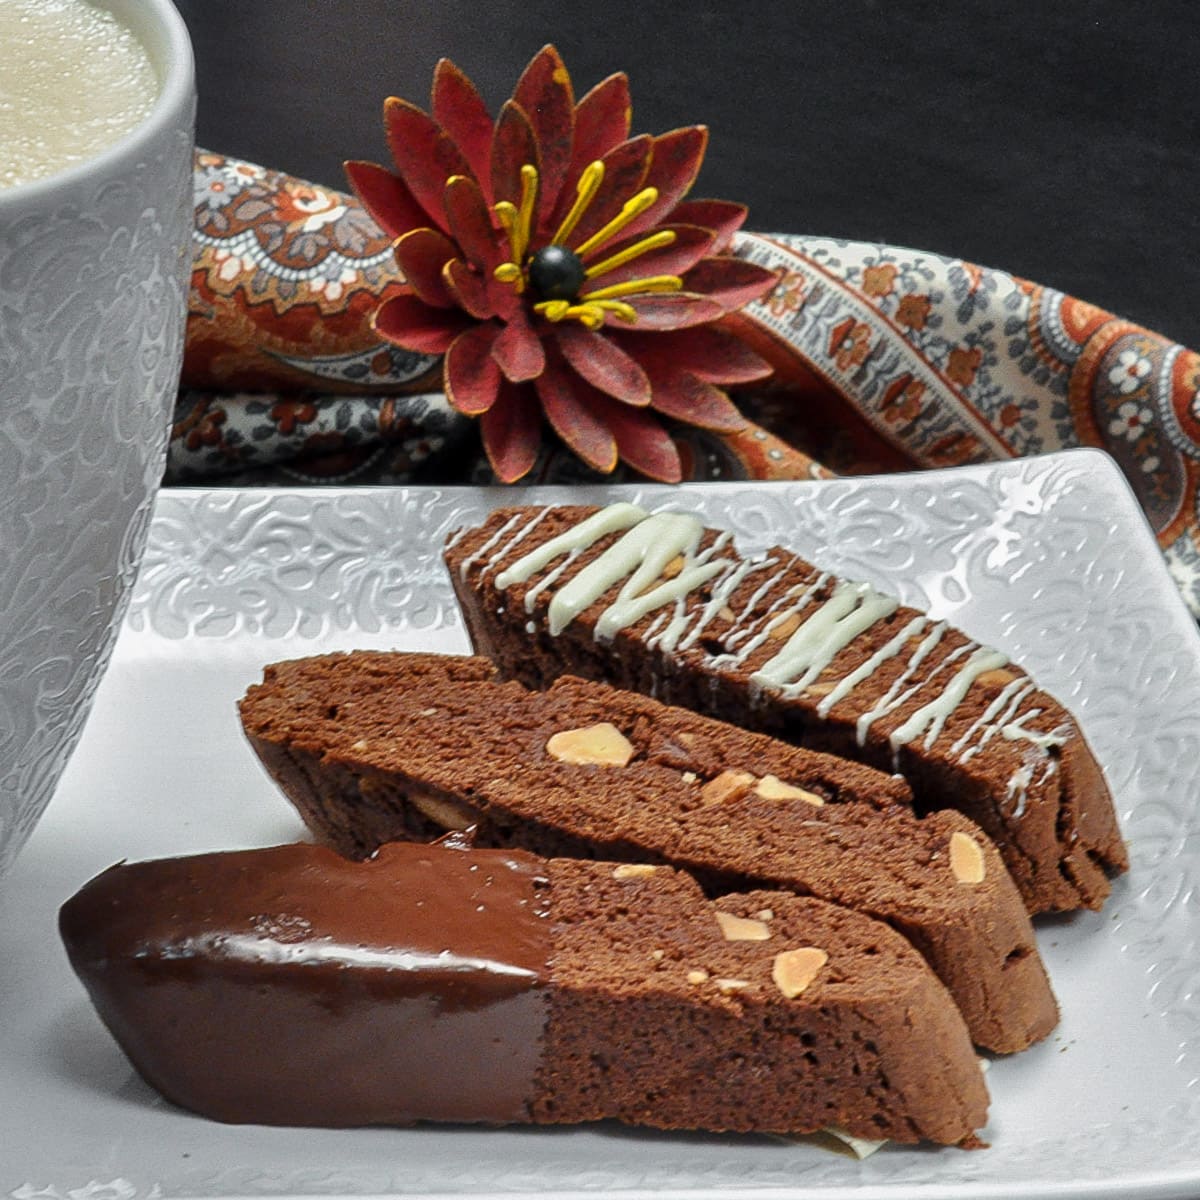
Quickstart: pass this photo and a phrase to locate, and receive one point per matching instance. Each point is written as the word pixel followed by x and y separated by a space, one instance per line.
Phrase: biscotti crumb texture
pixel 372 747
pixel 658 604
pixel 860 1030
pixel 438 983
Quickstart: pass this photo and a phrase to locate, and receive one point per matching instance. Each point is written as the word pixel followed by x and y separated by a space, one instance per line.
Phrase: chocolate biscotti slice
pixel 373 747
pixel 658 603
pixel 433 983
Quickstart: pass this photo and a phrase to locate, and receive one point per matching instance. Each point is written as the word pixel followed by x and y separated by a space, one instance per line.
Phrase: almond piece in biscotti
pixel 634 871
pixel 728 786
pixel 770 787
pixel 602 745
pixel 742 929
pixel 794 970
pixel 966 858
pixel 449 814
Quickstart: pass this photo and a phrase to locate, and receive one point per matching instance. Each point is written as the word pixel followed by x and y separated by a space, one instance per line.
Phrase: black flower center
pixel 556 273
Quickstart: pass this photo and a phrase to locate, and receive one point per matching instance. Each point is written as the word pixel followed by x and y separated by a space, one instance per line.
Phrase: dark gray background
pixel 1058 141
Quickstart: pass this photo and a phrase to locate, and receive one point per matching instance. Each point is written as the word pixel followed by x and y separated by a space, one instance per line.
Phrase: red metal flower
pixel 549 257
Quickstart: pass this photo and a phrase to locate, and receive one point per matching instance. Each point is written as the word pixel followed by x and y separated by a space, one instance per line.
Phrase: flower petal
pixel 544 94
pixel 512 432
pixel 674 165
pixel 518 349
pixel 470 222
pixel 732 282
pixel 642 442
pixel 470 374
pixel 712 354
pixel 461 112
pixel 408 322
pixel 691 244
pixel 686 398
pixel 385 197
pixel 625 167
pixel 422 253
pixel 602 120
pixel 673 310
pixel 513 146
pixel 482 248
pixel 564 401
pixel 504 298
pixel 469 289
pixel 723 217
pixel 603 364
pixel 425 155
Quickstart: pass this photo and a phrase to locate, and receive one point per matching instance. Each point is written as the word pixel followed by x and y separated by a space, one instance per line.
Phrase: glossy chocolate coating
pixel 291 986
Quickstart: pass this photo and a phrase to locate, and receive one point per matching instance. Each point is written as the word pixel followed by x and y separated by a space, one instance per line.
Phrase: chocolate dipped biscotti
pixel 657 603
pixel 434 983
pixel 373 747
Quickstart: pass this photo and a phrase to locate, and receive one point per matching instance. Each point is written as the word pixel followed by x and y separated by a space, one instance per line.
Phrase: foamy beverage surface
pixel 73 79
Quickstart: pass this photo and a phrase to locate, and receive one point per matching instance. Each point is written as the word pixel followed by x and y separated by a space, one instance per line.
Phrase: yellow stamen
pixel 529 183
pixel 590 313
pixel 590 316
pixel 585 192
pixel 517 223
pixel 510 272
pixel 631 209
pixel 507 215
pixel 664 237
pixel 552 310
pixel 633 287
pixel 623 312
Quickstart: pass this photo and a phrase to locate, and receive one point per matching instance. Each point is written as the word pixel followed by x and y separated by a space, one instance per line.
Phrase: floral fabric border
pixel 885 359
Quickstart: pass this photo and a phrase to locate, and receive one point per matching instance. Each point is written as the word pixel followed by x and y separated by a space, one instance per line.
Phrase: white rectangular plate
pixel 1048 559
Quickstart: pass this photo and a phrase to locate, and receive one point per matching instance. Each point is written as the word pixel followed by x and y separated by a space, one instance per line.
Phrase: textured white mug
pixel 94 264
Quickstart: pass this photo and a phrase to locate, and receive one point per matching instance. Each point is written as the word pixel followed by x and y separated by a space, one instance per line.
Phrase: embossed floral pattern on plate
pixel 1047 558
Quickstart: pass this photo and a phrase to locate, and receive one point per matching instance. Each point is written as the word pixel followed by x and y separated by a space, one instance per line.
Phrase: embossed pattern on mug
pixel 86 438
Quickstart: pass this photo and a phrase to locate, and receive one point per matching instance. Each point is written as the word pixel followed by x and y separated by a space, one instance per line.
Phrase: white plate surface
pixel 1048 559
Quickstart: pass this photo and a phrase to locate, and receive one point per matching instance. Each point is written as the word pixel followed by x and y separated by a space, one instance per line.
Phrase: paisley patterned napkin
pixel 885 359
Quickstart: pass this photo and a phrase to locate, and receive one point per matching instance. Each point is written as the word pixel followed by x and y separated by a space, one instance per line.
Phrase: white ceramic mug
pixel 94 264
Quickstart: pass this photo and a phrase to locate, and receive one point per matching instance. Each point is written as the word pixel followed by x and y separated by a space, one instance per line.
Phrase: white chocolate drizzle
pixel 514 541
pixel 613 519
pixel 752 602
pixel 865 670
pixel 549 579
pixel 649 544
pixel 992 719
pixel 851 609
pixel 1015 731
pixel 723 593
pixel 1023 780
pixel 894 696
pixel 932 717
pixel 775 615
pixel 640 558
pixel 1018 788
pixel 480 551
